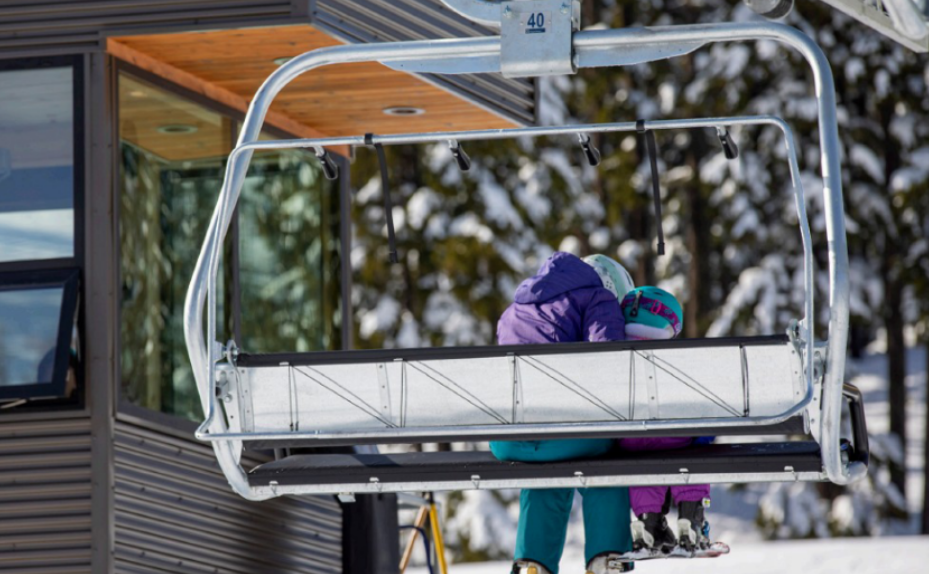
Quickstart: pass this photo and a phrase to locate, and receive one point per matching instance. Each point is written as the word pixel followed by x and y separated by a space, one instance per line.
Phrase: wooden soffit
pixel 346 99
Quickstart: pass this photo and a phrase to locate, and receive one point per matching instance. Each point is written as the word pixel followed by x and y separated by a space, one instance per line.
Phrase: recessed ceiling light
pixel 177 129
pixel 282 61
pixel 404 111
pixel 137 94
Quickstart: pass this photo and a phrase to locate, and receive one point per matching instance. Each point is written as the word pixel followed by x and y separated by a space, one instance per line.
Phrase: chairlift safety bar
pixel 466 431
pixel 481 55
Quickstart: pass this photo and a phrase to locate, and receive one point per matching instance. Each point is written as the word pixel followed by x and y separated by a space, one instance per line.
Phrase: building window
pixel 279 278
pixel 288 265
pixel 38 343
pixel 40 240
pixel 37 163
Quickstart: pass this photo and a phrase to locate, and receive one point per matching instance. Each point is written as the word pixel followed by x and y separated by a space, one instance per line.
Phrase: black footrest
pixel 461 466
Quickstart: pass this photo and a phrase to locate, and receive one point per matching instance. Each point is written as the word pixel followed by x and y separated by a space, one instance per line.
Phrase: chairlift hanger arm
pixel 591 48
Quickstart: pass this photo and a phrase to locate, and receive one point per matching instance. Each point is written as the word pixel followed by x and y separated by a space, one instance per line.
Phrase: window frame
pixel 63 271
pixel 68 280
pixel 129 411
pixel 79 131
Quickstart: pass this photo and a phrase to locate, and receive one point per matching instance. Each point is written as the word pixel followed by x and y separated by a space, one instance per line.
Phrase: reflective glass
pixel 172 157
pixel 36 164
pixel 288 248
pixel 28 334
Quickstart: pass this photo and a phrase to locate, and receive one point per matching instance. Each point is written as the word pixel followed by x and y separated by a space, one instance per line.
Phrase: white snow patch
pixel 882 83
pixel 420 206
pixel 408 336
pixel 714 170
pixel 599 238
pixel 667 94
pixel 469 225
pixel 381 318
pixel 499 208
pixel 852 555
pixel 854 69
pixel 904 129
pixel 369 192
pixel 532 195
pixel 736 58
pixel 868 161
pixel 570 244
pixel 559 161
pixel 757 289
pixel 629 252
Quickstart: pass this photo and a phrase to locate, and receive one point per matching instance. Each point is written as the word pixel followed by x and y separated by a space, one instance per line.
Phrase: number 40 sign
pixel 535 38
pixel 534 22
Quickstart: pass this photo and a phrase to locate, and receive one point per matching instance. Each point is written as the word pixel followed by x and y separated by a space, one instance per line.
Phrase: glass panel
pixel 288 255
pixel 172 157
pixel 36 164
pixel 28 335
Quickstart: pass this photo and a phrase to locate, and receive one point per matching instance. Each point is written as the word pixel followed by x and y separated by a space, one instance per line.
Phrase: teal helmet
pixel 614 276
pixel 652 313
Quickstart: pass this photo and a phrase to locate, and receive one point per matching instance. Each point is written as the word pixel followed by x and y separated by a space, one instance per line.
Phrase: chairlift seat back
pixel 483 393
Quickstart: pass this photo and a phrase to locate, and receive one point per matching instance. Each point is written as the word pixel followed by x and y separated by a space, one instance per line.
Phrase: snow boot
pixel 528 567
pixel 608 563
pixel 651 532
pixel 692 527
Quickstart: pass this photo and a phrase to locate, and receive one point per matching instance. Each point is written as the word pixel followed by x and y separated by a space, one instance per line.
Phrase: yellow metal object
pixel 437 536
pixel 532 570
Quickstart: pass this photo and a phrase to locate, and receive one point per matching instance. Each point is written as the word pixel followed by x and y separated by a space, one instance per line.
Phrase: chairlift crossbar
pixel 511 133
pixel 589 49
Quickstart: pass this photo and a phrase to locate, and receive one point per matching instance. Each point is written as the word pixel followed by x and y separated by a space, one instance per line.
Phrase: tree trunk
pixel 698 244
pixel 891 272
pixel 925 519
pixel 896 368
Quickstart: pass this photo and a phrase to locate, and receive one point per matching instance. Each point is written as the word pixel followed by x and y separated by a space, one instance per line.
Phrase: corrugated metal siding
pixel 45 490
pixel 77 25
pixel 396 20
pixel 176 513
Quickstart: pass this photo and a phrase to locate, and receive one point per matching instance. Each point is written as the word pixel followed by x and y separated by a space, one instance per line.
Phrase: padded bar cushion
pixel 461 466
pixel 445 353
pixel 792 426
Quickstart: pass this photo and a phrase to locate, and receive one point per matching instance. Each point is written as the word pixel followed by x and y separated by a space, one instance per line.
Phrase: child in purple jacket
pixel 653 313
pixel 568 300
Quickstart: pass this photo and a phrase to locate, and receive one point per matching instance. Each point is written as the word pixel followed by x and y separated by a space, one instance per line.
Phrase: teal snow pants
pixel 544 513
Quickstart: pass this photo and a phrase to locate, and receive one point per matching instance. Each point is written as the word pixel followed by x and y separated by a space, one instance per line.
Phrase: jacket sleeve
pixel 603 319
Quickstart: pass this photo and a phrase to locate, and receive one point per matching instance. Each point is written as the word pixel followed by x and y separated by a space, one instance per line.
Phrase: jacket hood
pixel 562 272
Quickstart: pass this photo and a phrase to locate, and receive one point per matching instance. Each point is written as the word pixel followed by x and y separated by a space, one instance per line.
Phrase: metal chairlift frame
pixel 823 362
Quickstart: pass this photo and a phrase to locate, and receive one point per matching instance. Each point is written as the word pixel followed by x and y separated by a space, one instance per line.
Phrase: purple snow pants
pixel 652 498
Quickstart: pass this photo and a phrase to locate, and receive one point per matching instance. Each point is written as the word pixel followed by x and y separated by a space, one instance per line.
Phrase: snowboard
pixel 712 551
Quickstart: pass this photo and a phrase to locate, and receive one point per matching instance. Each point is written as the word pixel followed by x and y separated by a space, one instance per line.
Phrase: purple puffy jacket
pixel 564 302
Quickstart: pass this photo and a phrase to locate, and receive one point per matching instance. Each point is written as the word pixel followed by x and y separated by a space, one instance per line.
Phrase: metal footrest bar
pixel 409 472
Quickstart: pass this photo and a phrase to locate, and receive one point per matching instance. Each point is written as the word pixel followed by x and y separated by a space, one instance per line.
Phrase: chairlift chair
pixel 780 384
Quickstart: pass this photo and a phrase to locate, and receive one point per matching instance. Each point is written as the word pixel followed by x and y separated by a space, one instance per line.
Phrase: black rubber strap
pixel 385 190
pixel 651 150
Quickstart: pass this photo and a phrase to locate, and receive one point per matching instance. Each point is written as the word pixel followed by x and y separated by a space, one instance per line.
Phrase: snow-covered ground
pixel 896 555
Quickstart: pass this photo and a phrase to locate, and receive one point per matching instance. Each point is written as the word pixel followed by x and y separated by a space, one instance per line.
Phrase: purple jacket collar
pixel 562 272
